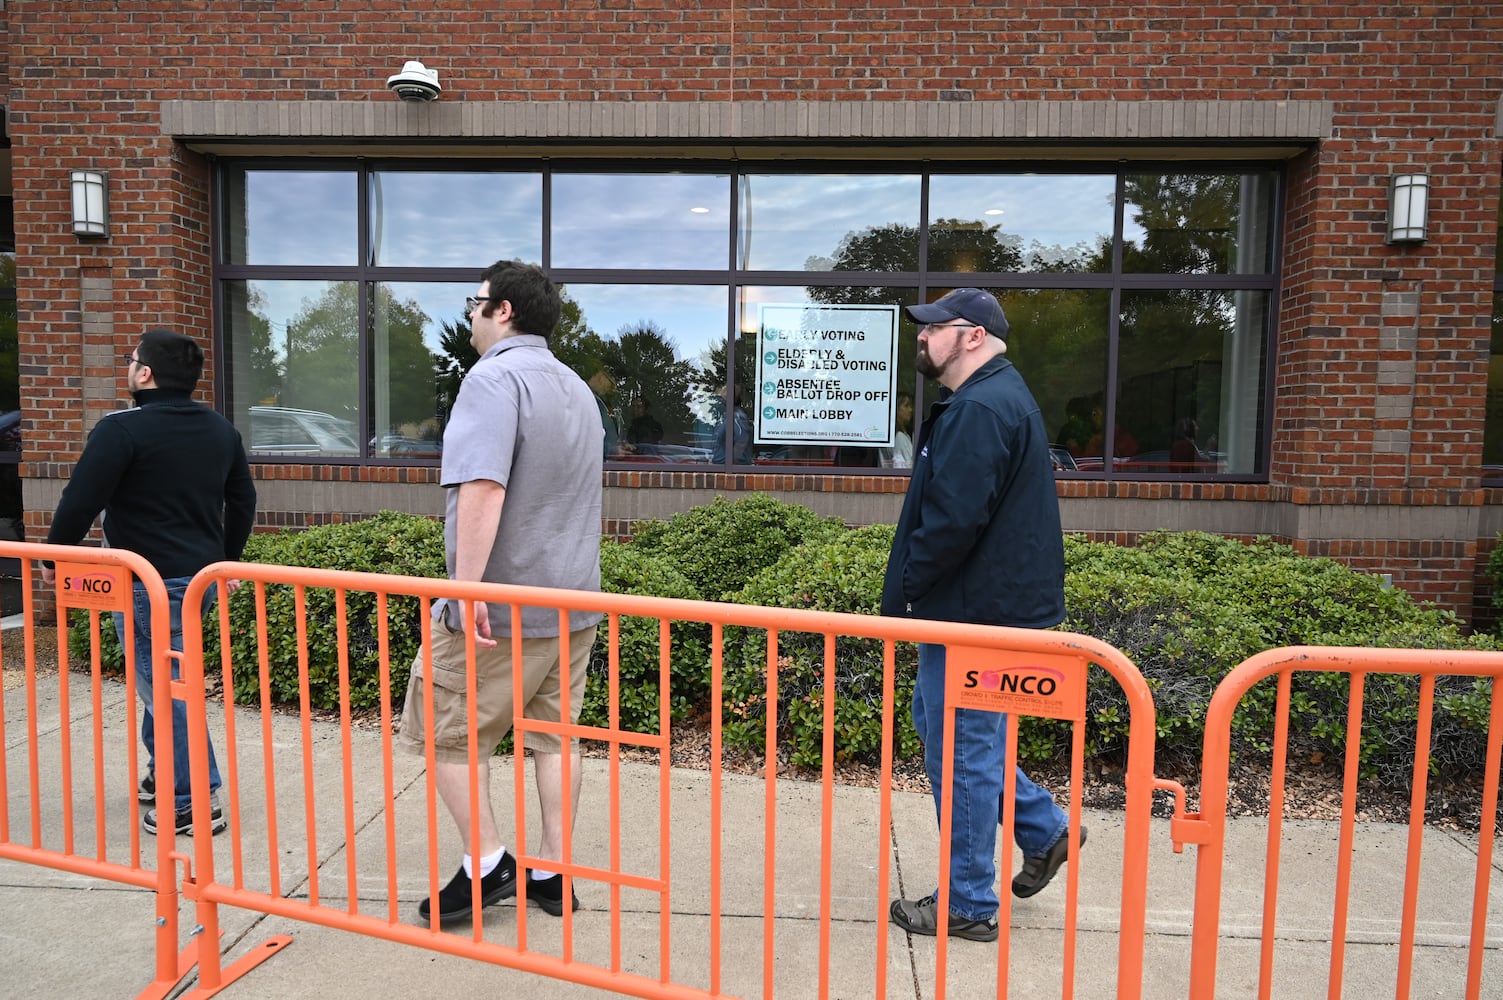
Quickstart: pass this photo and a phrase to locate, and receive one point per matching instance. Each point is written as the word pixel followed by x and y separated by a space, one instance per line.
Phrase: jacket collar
pixel 150 397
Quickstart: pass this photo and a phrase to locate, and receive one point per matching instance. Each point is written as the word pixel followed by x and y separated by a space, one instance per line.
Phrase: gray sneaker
pixel 182 820
pixel 922 917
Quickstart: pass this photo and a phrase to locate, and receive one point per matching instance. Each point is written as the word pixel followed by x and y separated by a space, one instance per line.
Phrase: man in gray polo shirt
pixel 522 460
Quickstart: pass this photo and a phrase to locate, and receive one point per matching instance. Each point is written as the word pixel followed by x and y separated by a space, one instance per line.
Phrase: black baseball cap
pixel 970 304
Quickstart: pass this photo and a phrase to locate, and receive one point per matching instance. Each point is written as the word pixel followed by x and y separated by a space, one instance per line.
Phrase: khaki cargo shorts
pixel 541 693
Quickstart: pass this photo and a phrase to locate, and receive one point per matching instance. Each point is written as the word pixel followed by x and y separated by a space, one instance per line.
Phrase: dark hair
pixel 534 298
pixel 176 361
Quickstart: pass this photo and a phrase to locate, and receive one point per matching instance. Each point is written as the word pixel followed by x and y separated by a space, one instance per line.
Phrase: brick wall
pixel 1381 361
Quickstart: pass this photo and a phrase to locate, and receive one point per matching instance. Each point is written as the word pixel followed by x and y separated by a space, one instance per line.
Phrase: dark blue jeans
pixel 142 618
pixel 980 753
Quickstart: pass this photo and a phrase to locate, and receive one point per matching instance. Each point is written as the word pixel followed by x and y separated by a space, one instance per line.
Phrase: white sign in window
pixel 826 374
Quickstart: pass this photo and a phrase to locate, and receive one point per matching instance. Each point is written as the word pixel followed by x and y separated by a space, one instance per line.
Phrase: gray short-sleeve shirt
pixel 525 420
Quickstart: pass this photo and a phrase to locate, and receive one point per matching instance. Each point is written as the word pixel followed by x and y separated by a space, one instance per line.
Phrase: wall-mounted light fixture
pixel 91 209
pixel 1407 197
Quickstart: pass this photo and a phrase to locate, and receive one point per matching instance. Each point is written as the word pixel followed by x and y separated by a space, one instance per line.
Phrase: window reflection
pixel 1058 339
pixel 1190 376
pixel 291 217
pixel 1022 222
pixel 829 222
pixel 420 350
pixel 641 220
pixel 654 356
pixel 1198 223
pixel 356 367
pixel 1492 440
pixel 293 388
pixel 454 218
pixel 10 383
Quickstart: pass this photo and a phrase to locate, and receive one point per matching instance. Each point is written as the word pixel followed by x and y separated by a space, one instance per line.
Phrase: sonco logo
pixel 89 584
pixel 1042 681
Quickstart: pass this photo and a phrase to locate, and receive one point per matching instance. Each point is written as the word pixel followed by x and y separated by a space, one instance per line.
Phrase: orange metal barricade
pixel 1208 827
pixel 302 896
pixel 98 581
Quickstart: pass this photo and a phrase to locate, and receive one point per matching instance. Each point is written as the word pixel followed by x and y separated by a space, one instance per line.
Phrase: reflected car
pixel 401 446
pixel 286 430
pixel 10 430
pixel 1062 460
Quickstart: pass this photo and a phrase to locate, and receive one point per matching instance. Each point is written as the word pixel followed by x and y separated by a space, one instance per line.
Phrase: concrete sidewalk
pixel 67 936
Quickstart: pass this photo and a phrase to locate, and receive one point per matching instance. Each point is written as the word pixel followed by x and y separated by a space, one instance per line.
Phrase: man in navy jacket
pixel 978 540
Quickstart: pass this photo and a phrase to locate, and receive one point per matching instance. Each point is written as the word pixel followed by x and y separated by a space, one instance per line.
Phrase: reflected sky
pixel 1044 210
pixel 323 204
pixel 641 220
pixel 796 222
pixel 455 218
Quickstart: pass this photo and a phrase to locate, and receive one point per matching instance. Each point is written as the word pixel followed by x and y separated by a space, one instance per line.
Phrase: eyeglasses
pixel 471 301
pixel 928 327
pixel 130 359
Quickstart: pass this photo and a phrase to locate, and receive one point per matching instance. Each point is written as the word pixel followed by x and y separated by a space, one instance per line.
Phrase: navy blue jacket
pixel 979 538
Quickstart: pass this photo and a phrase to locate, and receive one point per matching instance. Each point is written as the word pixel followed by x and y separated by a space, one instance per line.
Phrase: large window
pixel 751 315
pixel 1492 436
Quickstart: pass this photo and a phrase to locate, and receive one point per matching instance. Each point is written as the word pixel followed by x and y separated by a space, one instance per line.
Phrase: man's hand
pixel 482 624
pixel 230 586
pixel 49 576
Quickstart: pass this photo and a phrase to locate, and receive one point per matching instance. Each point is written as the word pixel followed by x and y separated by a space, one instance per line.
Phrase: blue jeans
pixel 141 615
pixel 980 753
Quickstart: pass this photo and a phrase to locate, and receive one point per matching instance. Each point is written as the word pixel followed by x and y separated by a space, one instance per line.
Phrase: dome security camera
pixel 416 82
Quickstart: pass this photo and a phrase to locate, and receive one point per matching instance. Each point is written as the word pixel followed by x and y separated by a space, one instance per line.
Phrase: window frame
pixel 1116 281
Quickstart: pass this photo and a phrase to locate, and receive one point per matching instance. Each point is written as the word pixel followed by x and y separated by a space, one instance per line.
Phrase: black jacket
pixel 979 538
pixel 173 482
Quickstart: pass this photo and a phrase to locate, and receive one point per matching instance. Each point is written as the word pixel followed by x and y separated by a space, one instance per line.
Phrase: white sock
pixel 539 874
pixel 487 864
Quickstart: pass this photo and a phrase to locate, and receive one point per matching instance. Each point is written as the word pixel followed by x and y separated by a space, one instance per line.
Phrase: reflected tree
pixel 644 362
pixel 324 335
pixel 1189 223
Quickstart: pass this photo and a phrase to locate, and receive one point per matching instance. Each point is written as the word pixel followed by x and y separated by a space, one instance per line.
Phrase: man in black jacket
pixel 172 480
pixel 978 540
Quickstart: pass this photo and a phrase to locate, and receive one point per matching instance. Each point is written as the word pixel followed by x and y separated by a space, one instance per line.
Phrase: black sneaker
pixel 922 917
pixel 549 893
pixel 146 791
pixel 182 820
pixel 454 899
pixel 1040 868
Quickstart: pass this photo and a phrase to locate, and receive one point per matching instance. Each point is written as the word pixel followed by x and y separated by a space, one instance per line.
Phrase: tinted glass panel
pixel 653 355
pixel 829 222
pixel 641 220
pixel 292 217
pixel 294 390
pixel 10 382
pixel 455 219
pixel 420 349
pixel 1492 437
pixel 1190 378
pixel 1023 222
pixel 1198 223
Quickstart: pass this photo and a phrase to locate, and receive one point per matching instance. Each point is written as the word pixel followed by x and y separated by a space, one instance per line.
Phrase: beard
pixel 930 367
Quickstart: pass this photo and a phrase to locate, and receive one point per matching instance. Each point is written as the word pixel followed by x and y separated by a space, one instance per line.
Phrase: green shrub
pixel 1188 607
pixel 841 574
pixel 625 569
pixel 721 545
pixel 390 542
pixel 111 655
